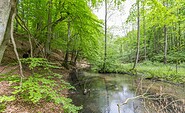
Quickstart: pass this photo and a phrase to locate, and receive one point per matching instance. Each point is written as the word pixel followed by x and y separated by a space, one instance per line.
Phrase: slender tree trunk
pixel 144 30
pixel 165 44
pixel 138 35
pixel 105 51
pixel 172 38
pixel 22 15
pixel 49 30
pixel 157 40
pixel 16 24
pixel 76 57
pixel 23 25
pixel 154 40
pixel 13 5
pixel 165 37
pixel 15 47
pixel 179 35
pixel 67 49
pixel 72 56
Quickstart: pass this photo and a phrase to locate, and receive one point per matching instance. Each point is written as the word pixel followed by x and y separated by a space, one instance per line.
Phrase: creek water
pixel 101 93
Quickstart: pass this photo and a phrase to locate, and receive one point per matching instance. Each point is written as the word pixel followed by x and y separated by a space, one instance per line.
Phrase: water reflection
pixel 106 91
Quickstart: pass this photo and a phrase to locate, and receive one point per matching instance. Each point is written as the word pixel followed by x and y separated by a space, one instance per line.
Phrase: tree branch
pixel 54 23
pixel 18 18
pixel 26 29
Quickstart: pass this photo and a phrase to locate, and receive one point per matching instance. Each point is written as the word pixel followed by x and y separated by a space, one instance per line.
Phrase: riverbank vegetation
pixel 154 43
pixel 152 70
pixel 67 32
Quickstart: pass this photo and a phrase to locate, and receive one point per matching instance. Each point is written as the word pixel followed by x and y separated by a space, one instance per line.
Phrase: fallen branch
pixel 127 100
pixel 133 98
pixel 160 102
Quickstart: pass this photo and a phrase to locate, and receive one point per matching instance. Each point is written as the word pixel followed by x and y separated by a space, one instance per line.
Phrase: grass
pixel 155 70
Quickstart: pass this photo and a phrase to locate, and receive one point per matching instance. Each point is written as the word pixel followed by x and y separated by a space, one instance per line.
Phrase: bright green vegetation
pixel 152 70
pixel 153 46
pixel 41 85
pixel 158 40
pixel 68 25
pixel 4 99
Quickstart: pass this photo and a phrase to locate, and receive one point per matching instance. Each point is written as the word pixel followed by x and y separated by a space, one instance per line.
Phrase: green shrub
pixel 37 87
pixel 45 85
pixel 3 100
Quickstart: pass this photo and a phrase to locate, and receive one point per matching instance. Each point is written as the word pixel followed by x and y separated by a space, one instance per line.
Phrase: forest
pixel 58 56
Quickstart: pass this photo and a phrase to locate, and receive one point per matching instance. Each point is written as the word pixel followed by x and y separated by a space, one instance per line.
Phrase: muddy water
pixel 99 93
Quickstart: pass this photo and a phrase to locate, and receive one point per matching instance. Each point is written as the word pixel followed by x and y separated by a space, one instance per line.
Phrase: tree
pixel 49 29
pixel 138 35
pixel 105 50
pixel 47 21
pixel 144 29
pixel 67 48
pixel 6 13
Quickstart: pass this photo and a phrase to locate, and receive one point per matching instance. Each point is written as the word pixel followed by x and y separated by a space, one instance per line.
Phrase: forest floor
pixel 10 67
pixel 19 105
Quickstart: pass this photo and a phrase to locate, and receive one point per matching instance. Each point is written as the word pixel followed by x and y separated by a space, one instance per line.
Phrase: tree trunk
pixel 154 40
pixel 165 37
pixel 14 45
pixel 179 35
pixel 23 25
pixel 144 30
pixel 105 51
pixel 67 49
pixel 72 56
pixel 16 24
pixel 165 44
pixel 138 35
pixel 76 57
pixel 6 13
pixel 49 30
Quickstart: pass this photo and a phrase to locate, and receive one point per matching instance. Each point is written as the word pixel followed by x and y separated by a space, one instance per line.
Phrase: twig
pixel 3 69
pixel 146 107
pixel 168 105
pixel 127 100
pixel 133 98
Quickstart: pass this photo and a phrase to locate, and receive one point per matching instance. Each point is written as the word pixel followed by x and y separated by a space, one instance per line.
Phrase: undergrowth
pixel 43 84
pixel 3 100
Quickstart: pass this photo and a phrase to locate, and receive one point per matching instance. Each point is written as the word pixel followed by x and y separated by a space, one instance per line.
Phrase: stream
pixel 102 93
